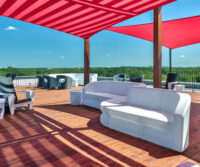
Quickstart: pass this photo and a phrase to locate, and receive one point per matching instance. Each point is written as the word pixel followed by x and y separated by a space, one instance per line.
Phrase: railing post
pixel 86 61
pixel 157 69
pixel 170 60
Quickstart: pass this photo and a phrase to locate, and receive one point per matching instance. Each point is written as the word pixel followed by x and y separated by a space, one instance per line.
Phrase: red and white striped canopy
pixel 82 18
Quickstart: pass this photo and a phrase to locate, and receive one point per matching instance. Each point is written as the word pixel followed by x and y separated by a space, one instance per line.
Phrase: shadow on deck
pixel 65 135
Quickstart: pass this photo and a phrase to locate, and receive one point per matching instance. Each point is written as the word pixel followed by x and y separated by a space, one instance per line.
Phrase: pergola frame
pixel 86 18
pixel 157 53
pixel 157 48
pixel 86 61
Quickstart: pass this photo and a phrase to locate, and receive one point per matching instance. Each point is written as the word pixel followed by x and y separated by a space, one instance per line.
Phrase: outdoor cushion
pixel 152 99
pixel 102 96
pixel 142 114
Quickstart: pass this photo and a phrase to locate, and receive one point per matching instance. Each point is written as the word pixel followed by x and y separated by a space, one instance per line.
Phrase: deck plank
pixel 55 133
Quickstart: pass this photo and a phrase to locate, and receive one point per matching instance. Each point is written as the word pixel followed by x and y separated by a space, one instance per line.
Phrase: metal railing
pixel 25 80
pixel 191 80
pixel 192 85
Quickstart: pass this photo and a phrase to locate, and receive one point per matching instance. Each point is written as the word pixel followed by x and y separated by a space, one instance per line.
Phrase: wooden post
pixel 86 61
pixel 170 60
pixel 157 69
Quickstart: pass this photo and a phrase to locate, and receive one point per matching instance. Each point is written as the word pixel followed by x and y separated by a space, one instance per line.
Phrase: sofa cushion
pixel 146 97
pixel 156 118
pixel 111 87
pixel 113 102
pixel 102 96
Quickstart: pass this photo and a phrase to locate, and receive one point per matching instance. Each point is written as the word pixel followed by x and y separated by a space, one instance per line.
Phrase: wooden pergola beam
pixel 157 69
pixel 86 61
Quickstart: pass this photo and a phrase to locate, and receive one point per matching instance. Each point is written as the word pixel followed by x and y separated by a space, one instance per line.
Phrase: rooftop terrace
pixel 58 134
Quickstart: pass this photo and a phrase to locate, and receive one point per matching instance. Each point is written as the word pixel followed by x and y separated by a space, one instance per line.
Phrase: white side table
pixel 2 108
pixel 75 97
pixel 179 88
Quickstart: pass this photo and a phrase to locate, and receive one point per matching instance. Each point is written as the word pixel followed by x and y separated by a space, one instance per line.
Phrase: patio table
pixel 75 97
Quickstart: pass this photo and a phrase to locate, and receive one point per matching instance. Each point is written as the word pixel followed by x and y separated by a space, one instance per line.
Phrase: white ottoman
pixel 179 88
pixel 75 97
pixel 2 108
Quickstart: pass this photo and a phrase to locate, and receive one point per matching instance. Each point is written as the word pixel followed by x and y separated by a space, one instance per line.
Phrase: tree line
pixel 188 74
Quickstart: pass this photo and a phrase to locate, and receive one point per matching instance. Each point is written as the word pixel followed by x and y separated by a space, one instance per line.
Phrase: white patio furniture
pixel 180 88
pixel 96 92
pixel 155 115
pixel 13 103
pixel 7 91
pixel 75 97
pixel 2 108
pixel 77 77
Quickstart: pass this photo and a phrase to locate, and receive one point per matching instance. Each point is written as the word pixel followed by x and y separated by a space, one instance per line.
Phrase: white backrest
pixel 112 87
pixel 162 99
pixel 146 97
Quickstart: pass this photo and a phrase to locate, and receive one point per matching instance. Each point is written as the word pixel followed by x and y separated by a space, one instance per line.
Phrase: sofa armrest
pixel 180 126
pixel 184 105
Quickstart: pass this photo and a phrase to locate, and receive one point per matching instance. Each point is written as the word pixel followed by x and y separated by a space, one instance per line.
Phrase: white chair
pixel 8 92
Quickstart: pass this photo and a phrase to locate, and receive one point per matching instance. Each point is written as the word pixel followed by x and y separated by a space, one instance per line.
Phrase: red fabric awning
pixel 175 34
pixel 82 18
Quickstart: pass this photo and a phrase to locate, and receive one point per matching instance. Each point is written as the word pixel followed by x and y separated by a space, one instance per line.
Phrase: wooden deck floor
pixel 57 134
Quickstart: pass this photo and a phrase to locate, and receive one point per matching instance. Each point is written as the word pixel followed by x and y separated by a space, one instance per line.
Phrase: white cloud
pixel 62 57
pixel 108 55
pixel 13 65
pixel 11 28
pixel 182 56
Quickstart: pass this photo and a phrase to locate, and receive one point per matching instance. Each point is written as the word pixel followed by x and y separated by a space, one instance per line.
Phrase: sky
pixel 28 45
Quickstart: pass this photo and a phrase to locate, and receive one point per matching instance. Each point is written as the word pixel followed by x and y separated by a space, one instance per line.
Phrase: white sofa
pixel 77 76
pixel 155 115
pixel 96 92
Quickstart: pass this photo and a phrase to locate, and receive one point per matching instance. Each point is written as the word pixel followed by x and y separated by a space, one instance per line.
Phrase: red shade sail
pixel 175 34
pixel 82 18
